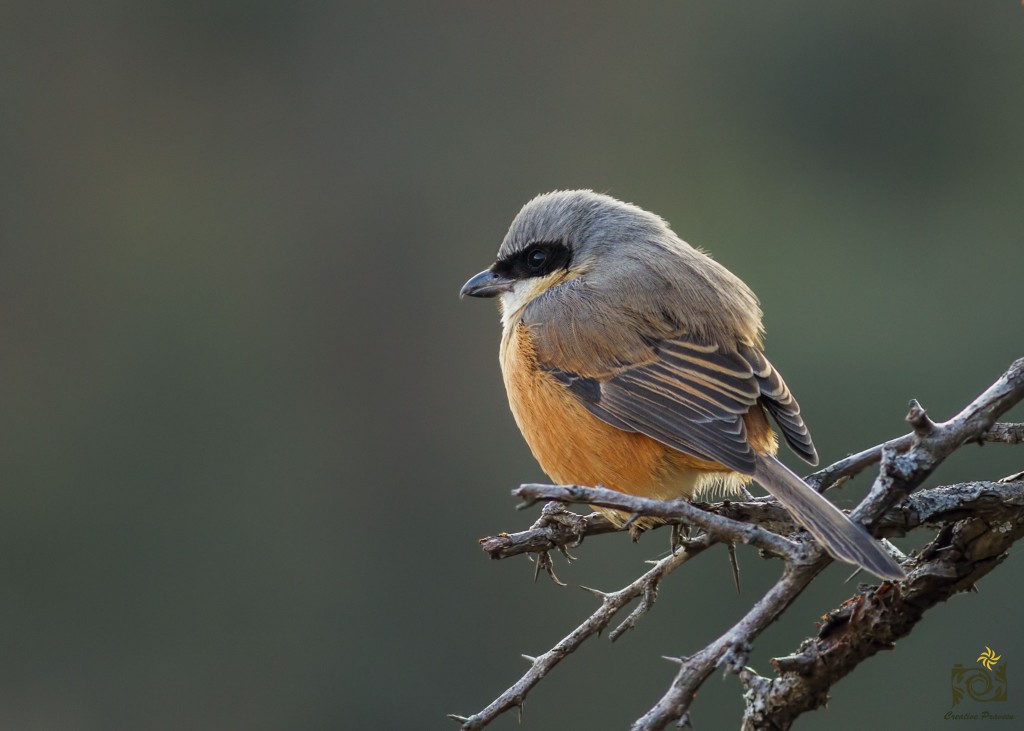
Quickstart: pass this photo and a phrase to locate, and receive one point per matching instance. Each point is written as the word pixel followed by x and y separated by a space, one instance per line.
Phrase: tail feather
pixel 842 538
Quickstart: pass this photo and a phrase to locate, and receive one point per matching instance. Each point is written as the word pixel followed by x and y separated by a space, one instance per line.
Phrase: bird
pixel 635 361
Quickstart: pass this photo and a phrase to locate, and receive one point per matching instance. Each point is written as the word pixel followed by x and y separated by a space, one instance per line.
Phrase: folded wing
pixel 692 397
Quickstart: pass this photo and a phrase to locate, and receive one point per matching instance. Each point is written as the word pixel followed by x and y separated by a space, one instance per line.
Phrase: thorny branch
pixel 980 521
pixel 724 528
pixel 553 534
pixel 646 587
pixel 977 521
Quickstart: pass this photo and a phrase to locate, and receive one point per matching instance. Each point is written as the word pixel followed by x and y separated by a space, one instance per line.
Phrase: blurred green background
pixel 251 435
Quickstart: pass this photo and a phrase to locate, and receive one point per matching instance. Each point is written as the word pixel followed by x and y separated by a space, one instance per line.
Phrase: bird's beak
pixel 486 284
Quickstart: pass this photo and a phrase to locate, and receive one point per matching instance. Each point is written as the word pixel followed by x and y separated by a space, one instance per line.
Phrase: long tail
pixel 840 537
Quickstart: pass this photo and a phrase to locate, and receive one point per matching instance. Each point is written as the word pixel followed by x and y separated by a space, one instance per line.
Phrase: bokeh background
pixel 250 435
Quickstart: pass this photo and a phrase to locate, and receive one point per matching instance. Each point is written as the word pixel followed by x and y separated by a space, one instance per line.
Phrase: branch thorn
pixel 543 561
pixel 917 417
pixel 603 596
pixel 735 566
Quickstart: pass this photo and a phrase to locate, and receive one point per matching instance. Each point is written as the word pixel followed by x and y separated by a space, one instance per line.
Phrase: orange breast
pixel 575 447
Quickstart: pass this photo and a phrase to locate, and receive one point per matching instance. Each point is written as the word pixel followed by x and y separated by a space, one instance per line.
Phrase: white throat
pixel 513 301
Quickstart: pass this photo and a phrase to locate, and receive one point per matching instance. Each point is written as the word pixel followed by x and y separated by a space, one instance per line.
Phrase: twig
pixel 731 648
pixel 898 477
pixel 853 465
pixel 769 515
pixel 545 538
pixel 682 510
pixel 645 587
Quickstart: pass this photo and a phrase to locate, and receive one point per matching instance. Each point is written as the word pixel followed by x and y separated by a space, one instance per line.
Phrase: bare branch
pixel 682 510
pixel 731 648
pixel 875 618
pixel 899 474
pixel 986 501
pixel 769 515
pixel 853 465
pixel 545 538
pixel 611 603
pixel 989 501
pixel 764 512
pixel 1006 433
pixel 898 477
pixel 933 506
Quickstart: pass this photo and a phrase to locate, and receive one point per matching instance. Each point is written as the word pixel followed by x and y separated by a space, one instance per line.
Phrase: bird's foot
pixel 556 514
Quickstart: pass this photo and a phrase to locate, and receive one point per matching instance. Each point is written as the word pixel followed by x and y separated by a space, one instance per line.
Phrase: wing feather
pixel 692 397
pixel 777 399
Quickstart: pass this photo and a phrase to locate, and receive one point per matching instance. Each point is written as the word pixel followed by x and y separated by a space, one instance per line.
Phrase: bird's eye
pixel 536 259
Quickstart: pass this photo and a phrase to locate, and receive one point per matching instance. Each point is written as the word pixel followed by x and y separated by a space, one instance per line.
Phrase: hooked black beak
pixel 486 284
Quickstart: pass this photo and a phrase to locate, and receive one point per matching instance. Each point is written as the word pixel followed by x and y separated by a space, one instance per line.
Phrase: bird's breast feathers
pixel 575 447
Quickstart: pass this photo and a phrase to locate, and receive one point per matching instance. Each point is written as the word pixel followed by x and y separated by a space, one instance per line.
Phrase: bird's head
pixel 563 236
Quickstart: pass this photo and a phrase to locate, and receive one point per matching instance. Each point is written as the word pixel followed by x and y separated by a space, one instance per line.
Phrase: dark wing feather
pixel 779 402
pixel 689 396
pixel 692 397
